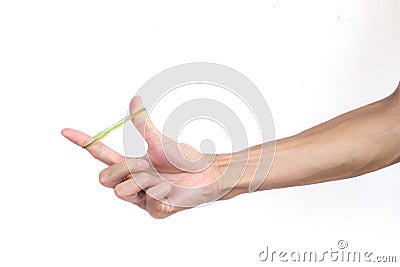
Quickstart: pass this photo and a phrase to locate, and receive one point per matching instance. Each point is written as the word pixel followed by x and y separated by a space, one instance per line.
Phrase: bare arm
pixel 355 143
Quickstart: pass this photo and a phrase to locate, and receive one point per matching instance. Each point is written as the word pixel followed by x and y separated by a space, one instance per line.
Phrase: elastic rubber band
pixel 113 127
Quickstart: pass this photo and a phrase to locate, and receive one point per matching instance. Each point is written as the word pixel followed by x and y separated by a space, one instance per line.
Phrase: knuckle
pixel 131 164
pixel 98 150
pixel 139 123
pixel 119 192
pixel 146 179
pixel 143 180
pixel 103 178
pixel 135 199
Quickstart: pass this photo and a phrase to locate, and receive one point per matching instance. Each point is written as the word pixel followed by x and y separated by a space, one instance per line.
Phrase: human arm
pixel 357 142
pixel 360 141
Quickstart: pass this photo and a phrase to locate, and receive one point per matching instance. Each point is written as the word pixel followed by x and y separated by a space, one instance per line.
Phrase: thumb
pixel 143 123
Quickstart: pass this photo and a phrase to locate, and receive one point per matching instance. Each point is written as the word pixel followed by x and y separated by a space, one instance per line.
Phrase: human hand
pixel 178 177
pixel 171 177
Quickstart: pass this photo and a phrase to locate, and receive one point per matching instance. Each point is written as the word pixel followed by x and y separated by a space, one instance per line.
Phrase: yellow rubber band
pixel 113 127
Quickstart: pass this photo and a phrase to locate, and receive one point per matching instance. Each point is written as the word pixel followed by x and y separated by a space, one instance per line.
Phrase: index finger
pixel 98 150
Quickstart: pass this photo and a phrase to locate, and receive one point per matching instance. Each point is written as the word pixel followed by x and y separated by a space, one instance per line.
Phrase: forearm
pixel 358 142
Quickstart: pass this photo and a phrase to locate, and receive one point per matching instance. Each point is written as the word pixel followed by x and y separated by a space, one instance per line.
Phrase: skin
pixel 360 141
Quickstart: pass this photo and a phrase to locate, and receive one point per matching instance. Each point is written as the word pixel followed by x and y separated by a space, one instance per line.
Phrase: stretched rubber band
pixel 113 127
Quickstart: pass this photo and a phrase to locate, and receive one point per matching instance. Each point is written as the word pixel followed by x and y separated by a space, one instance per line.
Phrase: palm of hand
pixel 181 165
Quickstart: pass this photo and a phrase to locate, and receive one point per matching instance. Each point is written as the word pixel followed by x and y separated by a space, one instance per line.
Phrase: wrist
pixel 244 171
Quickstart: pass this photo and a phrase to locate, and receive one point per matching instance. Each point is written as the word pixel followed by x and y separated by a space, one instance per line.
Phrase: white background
pixel 78 63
